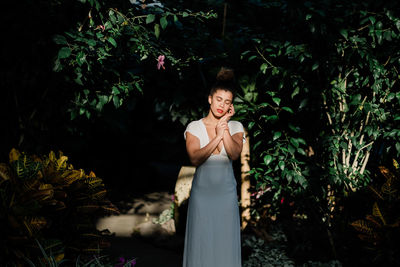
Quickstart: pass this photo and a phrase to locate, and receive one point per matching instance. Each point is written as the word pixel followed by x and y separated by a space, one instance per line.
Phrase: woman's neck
pixel 211 119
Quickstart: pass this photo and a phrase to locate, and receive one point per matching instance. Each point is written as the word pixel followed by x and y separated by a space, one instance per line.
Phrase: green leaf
pixel 251 125
pixel 185 14
pixel 281 165
pixel 91 42
pixel 301 141
pixel 115 90
pixel 59 39
pixel 264 67
pixel 116 101
pixel 277 135
pixel 267 159
pixel 157 30
pixel 344 33
pixel 301 151
pixel 294 142
pixel 295 92
pixel 315 66
pixel 64 52
pixel 288 109
pixel 277 100
pixel 163 22
pixel 112 41
pixel 150 18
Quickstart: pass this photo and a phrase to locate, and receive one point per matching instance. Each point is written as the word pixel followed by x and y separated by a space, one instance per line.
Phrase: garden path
pixel 136 236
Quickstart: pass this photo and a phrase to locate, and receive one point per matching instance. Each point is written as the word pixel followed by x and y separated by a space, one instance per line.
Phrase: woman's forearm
pixel 199 156
pixel 232 148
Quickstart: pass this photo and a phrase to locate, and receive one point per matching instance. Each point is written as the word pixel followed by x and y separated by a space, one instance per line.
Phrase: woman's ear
pixel 209 99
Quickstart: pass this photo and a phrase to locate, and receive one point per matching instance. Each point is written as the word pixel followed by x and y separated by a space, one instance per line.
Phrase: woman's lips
pixel 220 110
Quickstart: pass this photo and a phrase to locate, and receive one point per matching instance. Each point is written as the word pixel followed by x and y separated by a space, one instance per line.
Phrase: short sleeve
pixel 192 128
pixel 236 127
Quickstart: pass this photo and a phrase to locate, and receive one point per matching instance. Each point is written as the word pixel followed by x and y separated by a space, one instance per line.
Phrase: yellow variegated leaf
pixel 59 257
pixel 111 210
pixel 52 156
pixel 93 181
pixel 43 195
pixel 92 175
pixel 70 176
pixel 377 213
pixel 362 226
pixel 45 186
pixel 395 164
pixel 29 185
pixel 61 163
pixel 99 195
pixel 14 155
pixel 36 223
pixel 374 221
pixel 385 171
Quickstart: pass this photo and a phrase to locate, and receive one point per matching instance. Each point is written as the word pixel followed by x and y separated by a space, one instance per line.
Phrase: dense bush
pixel 46 199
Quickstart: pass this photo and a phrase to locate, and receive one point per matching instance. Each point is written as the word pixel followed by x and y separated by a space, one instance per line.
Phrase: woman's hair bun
pixel 226 75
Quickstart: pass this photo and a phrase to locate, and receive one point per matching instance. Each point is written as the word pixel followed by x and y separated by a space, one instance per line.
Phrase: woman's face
pixel 220 102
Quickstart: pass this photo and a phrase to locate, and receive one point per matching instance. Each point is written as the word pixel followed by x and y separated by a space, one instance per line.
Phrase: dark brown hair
pixel 225 81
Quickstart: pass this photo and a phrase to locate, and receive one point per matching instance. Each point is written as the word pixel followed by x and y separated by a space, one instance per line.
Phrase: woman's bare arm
pixel 233 144
pixel 196 154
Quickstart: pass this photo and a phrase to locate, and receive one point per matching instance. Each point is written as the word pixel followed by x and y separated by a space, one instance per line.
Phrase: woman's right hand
pixel 222 125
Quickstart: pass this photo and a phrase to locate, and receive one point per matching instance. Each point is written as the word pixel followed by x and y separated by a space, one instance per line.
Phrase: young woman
pixel 212 237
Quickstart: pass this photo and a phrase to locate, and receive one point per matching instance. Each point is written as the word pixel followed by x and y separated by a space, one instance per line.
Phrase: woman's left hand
pixel 229 114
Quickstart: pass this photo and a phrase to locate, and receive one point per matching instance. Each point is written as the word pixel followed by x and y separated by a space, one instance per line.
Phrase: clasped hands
pixel 222 124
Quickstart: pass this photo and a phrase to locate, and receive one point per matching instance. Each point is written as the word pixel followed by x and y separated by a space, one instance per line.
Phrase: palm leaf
pixel 377 213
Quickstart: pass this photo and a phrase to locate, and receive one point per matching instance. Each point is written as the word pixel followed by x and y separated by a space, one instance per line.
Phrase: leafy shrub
pixel 45 198
pixel 380 230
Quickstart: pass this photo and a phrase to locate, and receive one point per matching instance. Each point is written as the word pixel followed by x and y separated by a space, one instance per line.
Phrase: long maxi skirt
pixel 212 237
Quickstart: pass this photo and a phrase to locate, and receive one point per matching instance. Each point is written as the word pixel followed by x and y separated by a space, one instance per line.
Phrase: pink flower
pixel 101 27
pixel 282 199
pixel 160 62
pixel 173 197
